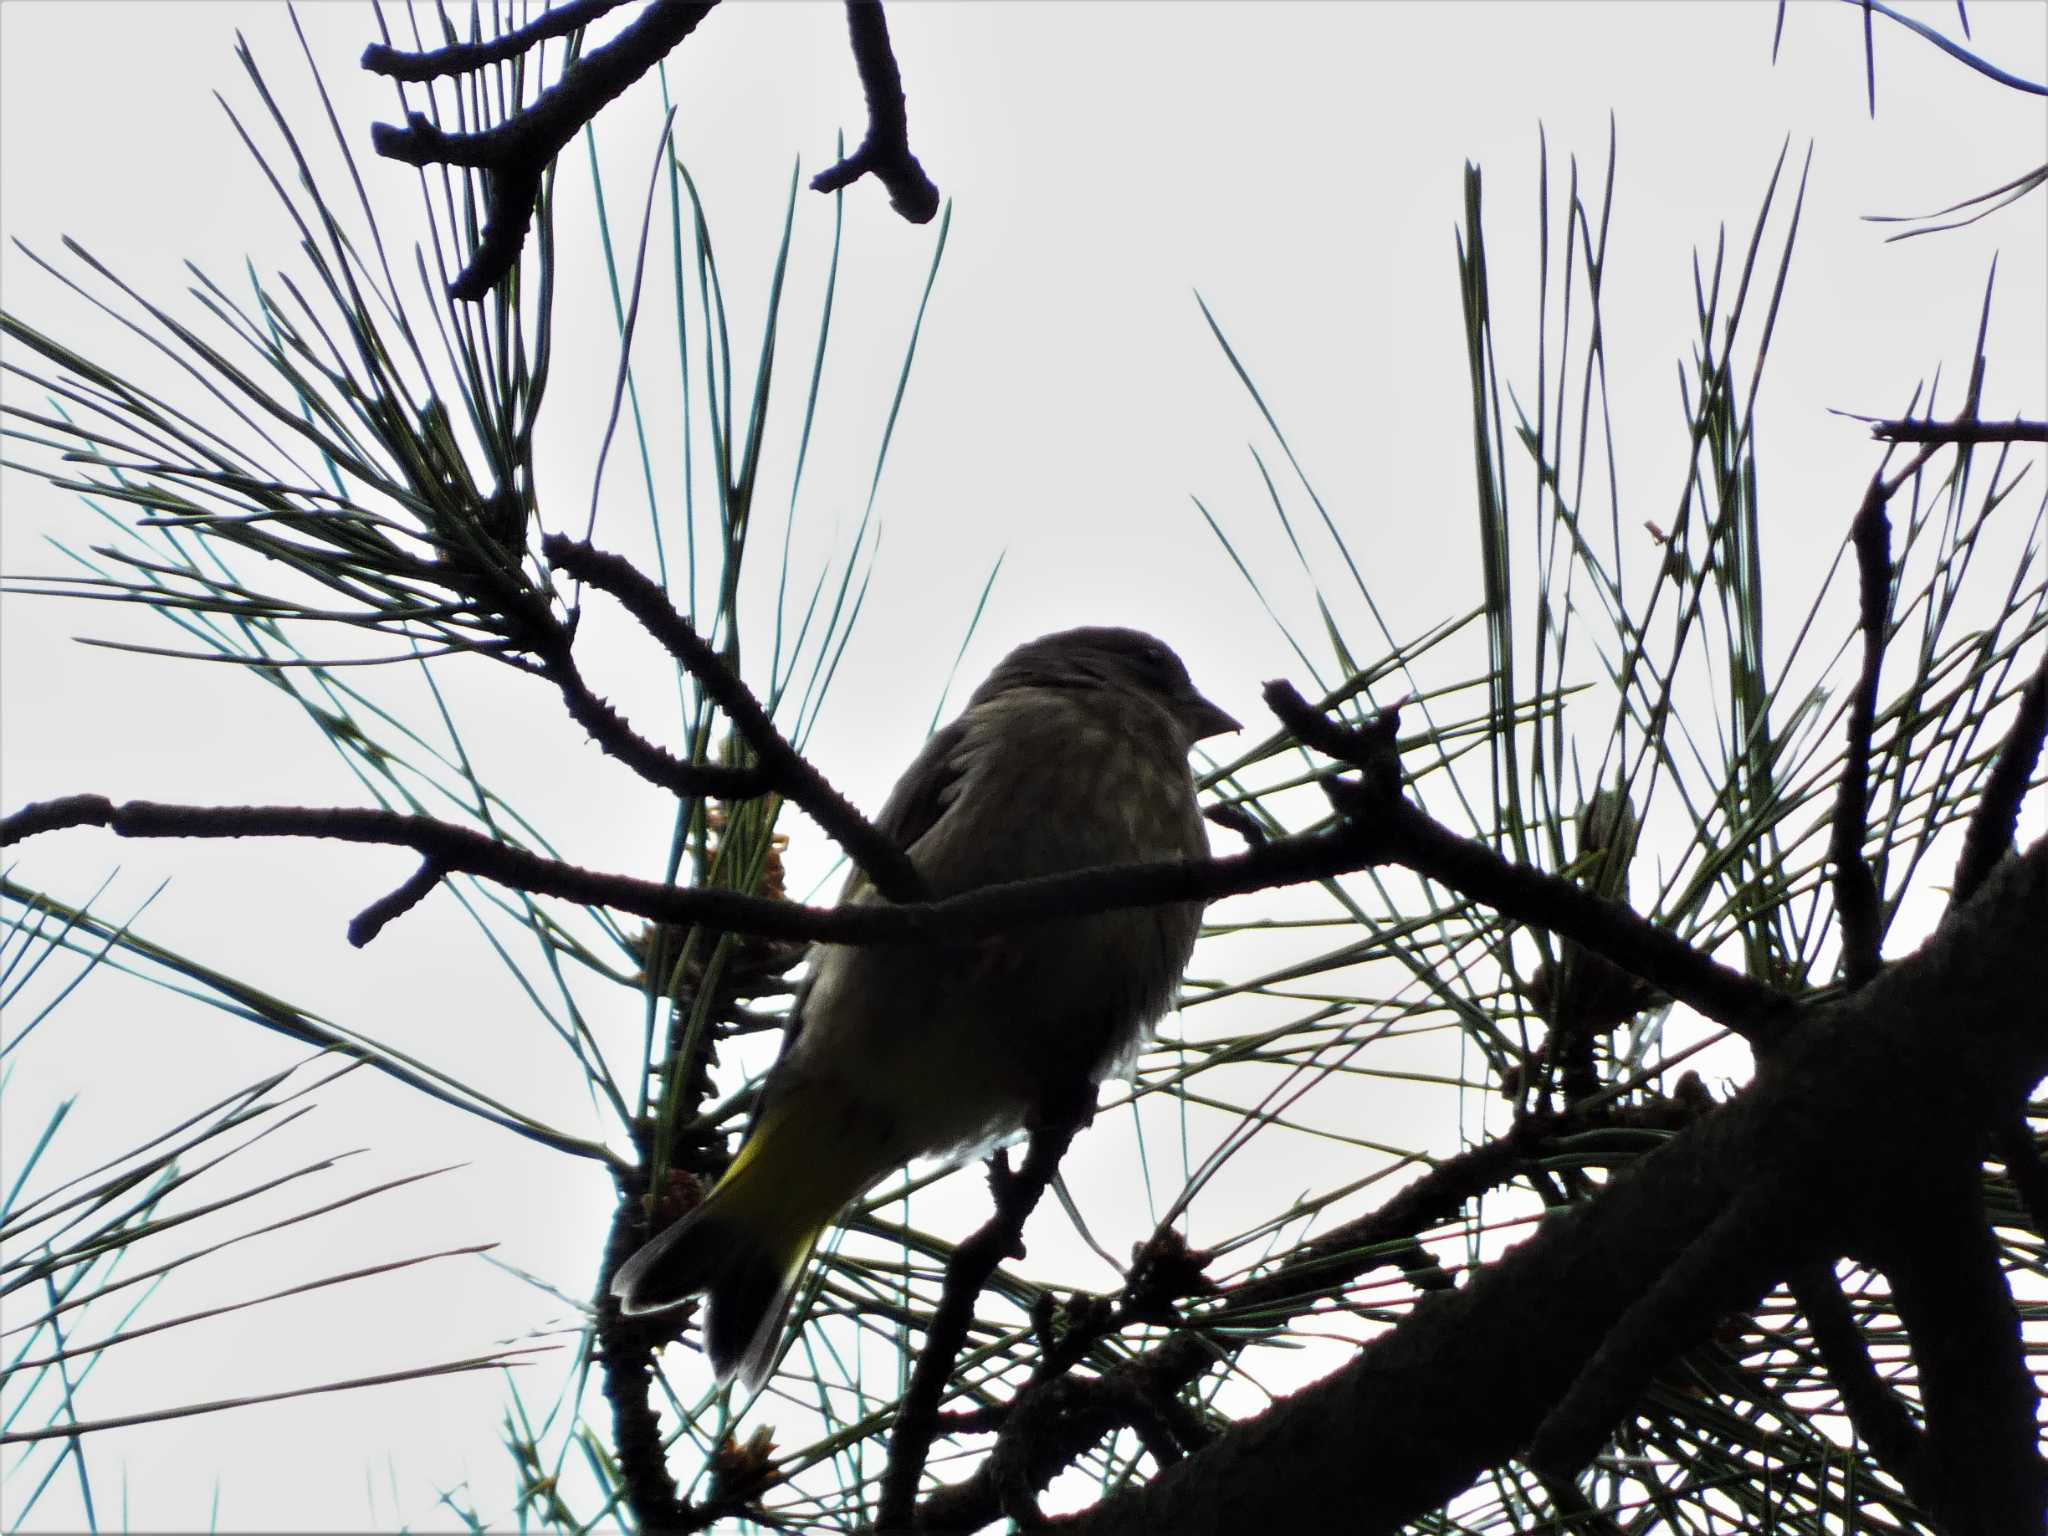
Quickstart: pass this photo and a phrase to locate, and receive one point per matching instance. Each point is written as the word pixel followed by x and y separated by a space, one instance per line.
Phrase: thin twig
pixel 1857 899
pixel 458 58
pixel 1403 835
pixel 1878 1414
pixel 1994 824
pixel 1607 928
pixel 371 921
pixel 1947 45
pixel 1235 818
pixel 2016 1148
pixel 517 152
pixel 1361 746
pixel 973 1262
pixel 780 765
pixel 625 1360
pixel 657 765
pixel 1913 430
pixel 1574 1511
pixel 885 151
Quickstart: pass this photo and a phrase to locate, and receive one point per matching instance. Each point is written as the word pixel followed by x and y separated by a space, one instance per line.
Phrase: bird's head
pixel 1126 660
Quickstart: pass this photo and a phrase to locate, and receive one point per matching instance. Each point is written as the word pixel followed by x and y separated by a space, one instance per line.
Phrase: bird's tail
pixel 744 1248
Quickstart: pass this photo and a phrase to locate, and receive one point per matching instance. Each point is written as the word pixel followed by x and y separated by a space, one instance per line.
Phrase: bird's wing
pixel 921 796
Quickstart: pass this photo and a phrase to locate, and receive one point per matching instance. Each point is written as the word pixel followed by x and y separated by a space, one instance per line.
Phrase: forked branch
pixel 516 153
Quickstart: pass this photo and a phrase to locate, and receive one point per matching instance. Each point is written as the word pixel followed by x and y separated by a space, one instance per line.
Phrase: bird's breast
pixel 990 1030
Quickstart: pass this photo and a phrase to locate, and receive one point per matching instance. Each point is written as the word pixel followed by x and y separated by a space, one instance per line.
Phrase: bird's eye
pixel 1161 667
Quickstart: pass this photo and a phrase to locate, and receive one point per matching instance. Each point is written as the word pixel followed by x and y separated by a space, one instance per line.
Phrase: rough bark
pixel 1871 1099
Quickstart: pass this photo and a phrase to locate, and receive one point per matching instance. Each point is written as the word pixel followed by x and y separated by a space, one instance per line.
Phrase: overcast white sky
pixel 1299 165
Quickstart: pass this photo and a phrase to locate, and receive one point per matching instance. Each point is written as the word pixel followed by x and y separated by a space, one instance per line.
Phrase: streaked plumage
pixel 1072 754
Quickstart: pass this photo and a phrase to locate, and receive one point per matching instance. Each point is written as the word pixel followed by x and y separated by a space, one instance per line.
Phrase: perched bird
pixel 1072 754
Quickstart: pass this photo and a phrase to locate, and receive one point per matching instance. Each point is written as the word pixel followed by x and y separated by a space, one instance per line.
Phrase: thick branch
pixel 1981 1464
pixel 1945 1042
pixel 1722 1269
pixel 1054 1421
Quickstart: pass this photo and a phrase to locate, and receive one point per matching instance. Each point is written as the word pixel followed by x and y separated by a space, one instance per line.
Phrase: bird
pixel 1072 754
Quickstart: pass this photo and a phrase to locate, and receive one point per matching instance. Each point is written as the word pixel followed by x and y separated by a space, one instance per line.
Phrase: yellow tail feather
pixel 745 1246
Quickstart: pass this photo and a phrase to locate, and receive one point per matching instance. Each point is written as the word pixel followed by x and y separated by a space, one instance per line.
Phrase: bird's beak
pixel 1205 719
